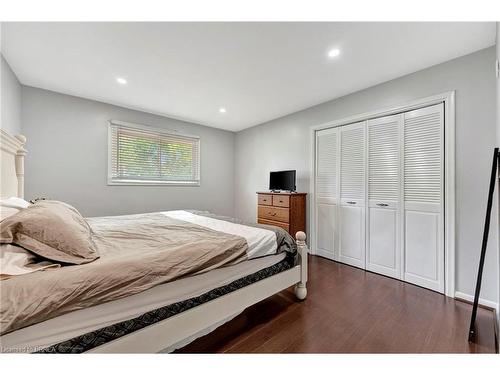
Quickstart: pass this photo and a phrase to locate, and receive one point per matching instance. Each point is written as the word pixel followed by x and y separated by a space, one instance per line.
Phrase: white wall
pixel 284 144
pixel 10 99
pixel 67 158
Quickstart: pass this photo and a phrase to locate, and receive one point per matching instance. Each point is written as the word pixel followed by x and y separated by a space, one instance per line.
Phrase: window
pixel 140 155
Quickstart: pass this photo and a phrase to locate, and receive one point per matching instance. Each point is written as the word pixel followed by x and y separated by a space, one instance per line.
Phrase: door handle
pixel 351 202
pixel 382 204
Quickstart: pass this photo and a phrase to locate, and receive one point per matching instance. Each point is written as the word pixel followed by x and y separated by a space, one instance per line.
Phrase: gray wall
pixel 67 158
pixel 10 98
pixel 285 144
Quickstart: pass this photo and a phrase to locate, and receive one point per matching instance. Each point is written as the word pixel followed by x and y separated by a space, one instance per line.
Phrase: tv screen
pixel 282 180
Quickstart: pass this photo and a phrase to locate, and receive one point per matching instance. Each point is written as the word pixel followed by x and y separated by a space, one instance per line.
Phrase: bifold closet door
pixel 423 197
pixel 326 194
pixel 383 244
pixel 352 195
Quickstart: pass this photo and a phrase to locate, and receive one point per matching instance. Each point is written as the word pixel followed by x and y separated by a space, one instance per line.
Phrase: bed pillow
pixel 14 202
pixel 53 230
pixel 11 206
pixel 5 212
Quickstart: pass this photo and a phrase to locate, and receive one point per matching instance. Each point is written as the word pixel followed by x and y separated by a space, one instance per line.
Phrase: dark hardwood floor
pixel 349 310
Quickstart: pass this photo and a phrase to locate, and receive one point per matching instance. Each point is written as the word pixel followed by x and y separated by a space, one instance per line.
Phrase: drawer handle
pixel 281 201
pixel 382 204
pixel 351 202
pixel 272 213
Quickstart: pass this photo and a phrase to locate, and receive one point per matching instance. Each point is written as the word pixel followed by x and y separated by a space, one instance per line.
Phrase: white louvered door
pixel 327 175
pixel 379 195
pixel 423 197
pixel 383 239
pixel 352 195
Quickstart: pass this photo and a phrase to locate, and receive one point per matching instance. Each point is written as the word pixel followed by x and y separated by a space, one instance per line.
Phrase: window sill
pixel 150 183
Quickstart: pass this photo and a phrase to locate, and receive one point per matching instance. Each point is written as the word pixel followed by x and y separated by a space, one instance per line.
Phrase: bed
pixel 164 315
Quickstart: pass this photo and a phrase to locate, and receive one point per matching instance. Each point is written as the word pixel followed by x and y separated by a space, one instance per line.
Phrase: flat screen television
pixel 282 180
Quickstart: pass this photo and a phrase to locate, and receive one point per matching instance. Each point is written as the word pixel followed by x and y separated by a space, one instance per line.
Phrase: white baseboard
pixel 482 301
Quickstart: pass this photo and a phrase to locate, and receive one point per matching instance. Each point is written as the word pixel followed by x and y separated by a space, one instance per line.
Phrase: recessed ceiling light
pixel 333 52
pixel 121 81
pixel 222 110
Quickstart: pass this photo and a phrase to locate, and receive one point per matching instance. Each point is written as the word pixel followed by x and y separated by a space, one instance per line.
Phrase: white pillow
pixel 6 211
pixel 14 202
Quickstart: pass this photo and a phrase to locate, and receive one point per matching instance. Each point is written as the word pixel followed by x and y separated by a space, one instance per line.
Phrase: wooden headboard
pixel 12 165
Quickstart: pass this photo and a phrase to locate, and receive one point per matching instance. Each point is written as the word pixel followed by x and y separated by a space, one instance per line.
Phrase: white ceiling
pixel 257 71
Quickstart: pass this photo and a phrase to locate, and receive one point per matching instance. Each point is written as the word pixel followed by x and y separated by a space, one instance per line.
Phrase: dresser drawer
pixel 273 213
pixel 265 199
pixel 275 223
pixel 281 200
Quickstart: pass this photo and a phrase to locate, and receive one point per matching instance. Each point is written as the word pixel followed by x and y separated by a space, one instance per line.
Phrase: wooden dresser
pixel 285 210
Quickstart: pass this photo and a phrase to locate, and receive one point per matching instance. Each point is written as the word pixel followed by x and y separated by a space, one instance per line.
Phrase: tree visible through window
pixel 145 155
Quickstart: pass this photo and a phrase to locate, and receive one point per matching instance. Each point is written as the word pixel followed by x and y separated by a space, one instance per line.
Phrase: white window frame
pixel 125 182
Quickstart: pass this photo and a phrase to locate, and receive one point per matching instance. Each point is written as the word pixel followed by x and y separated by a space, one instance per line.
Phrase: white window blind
pixel 143 155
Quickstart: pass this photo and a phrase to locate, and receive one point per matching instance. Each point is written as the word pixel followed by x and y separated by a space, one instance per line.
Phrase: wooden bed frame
pixel 180 329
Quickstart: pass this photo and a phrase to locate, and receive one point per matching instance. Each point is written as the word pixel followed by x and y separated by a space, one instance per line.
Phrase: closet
pixel 378 192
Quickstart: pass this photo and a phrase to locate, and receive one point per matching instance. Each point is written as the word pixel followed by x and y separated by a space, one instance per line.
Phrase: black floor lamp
pixel 494 175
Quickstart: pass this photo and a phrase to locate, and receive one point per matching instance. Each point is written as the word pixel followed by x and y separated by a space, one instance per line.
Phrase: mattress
pixel 75 324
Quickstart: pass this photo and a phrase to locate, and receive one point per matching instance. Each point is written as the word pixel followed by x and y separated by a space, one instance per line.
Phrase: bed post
pixel 20 154
pixel 300 287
